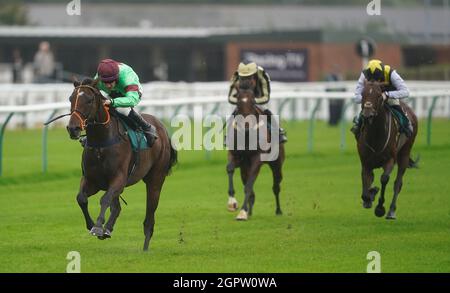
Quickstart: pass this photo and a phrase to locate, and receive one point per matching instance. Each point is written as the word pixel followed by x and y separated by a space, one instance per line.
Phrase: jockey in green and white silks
pixel 122 85
pixel 395 89
pixel 260 82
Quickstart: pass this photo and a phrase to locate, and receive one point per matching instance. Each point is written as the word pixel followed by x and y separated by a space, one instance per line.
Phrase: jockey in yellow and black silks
pixel 260 81
pixel 394 87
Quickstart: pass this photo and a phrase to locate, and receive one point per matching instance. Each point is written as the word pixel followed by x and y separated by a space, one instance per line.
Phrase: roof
pixel 412 25
pixel 114 32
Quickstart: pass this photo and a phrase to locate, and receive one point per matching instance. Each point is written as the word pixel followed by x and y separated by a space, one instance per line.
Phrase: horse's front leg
pixel 86 190
pixel 252 173
pixel 115 211
pixel 402 165
pixel 115 189
pixel 380 210
pixel 231 166
pixel 368 194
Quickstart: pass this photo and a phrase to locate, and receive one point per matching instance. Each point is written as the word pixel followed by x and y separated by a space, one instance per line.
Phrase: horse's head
pixel 372 100
pixel 246 104
pixel 246 108
pixel 85 102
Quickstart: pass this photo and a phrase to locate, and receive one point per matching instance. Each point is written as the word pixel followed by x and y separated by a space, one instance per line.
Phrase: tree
pixel 13 13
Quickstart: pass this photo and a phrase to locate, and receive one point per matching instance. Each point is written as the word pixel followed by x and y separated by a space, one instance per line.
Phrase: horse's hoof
pixel 232 204
pixel 106 234
pixel 380 211
pixel 96 231
pixel 242 216
pixel 367 204
pixel 278 212
pixel 373 192
pixel 391 216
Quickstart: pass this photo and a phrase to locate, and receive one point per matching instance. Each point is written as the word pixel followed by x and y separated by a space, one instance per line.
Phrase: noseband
pixel 84 118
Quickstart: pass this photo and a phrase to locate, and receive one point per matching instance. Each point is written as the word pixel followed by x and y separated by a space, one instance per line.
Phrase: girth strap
pixel 104 144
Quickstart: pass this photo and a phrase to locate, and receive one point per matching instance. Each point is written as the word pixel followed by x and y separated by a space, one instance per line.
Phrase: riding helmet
pixel 108 70
pixel 374 70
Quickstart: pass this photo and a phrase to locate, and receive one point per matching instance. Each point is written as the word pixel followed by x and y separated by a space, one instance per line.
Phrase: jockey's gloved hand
pixel 107 102
pixel 385 96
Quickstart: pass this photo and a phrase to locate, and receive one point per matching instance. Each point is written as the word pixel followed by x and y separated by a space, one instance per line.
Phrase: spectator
pixel 17 67
pixel 44 64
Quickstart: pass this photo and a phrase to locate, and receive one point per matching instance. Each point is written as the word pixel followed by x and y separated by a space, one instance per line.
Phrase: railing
pixel 291 103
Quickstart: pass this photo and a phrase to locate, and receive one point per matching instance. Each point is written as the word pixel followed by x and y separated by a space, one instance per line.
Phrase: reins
pixel 388 136
pixel 79 115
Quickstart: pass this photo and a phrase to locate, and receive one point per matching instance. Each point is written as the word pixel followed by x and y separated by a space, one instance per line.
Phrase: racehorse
pixel 107 160
pixel 249 159
pixel 381 145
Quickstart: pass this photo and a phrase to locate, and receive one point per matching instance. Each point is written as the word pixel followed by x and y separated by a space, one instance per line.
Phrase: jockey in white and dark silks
pixel 260 81
pixel 122 85
pixel 394 90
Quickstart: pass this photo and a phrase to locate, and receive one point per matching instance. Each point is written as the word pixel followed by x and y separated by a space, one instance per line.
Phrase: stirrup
pixel 83 141
pixel 283 136
pixel 150 135
pixel 355 130
pixel 150 139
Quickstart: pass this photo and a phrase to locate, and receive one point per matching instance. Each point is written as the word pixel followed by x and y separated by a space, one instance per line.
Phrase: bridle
pixel 370 105
pixel 253 107
pixel 84 118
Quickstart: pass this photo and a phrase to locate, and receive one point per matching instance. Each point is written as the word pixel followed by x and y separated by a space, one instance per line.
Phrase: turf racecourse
pixel 323 227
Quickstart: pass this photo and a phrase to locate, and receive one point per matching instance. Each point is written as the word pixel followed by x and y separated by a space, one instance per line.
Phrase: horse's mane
pixel 87 81
pixel 93 83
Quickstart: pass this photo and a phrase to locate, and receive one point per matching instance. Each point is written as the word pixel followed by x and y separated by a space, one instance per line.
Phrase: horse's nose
pixel 368 113
pixel 74 132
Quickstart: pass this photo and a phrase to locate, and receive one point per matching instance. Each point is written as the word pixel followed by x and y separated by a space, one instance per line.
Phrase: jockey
pixel 394 87
pixel 260 81
pixel 122 85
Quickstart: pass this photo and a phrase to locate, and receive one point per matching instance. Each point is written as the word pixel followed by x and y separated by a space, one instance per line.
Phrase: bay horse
pixel 381 145
pixel 108 158
pixel 249 159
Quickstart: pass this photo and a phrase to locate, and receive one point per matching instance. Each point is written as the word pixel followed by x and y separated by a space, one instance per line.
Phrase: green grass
pixel 323 227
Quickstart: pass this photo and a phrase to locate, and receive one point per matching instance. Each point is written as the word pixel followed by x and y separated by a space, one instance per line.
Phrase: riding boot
pixel 282 132
pixel 406 125
pixel 356 128
pixel 148 129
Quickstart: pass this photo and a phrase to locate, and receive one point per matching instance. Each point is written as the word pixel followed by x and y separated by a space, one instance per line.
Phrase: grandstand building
pixel 206 42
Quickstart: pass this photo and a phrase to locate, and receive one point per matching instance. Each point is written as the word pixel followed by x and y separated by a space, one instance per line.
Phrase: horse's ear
pixel 75 81
pixel 95 82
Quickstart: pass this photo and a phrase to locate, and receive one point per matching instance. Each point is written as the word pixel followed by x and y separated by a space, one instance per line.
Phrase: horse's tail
pixel 173 158
pixel 414 163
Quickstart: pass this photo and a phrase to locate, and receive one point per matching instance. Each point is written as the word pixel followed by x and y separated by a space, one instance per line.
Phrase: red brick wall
pixel 442 54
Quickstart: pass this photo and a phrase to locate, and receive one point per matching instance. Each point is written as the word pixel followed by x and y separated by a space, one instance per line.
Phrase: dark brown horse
pixel 108 159
pixel 249 158
pixel 381 145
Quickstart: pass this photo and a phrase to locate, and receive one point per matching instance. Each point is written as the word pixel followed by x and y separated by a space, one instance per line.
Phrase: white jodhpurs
pixel 124 110
pixel 393 102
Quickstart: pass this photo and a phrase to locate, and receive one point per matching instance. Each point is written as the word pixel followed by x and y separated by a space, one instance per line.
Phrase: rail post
pixel 2 133
pixel 44 143
pixel 311 125
pixel 430 117
pixel 343 123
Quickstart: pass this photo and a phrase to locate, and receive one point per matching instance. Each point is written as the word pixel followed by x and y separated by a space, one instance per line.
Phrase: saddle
pixel 400 120
pixel 132 130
